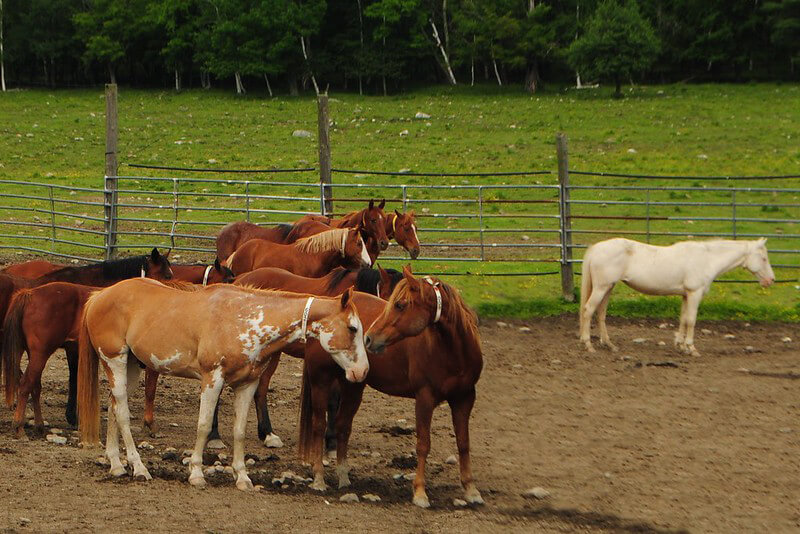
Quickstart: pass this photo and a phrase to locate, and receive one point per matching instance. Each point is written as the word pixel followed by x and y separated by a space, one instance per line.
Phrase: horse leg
pixel 692 303
pixel 71 414
pixel 150 385
pixel 243 398
pixel 348 401
pixel 27 388
pixel 209 394
pixel 319 400
pixel 680 335
pixel 112 440
pixel 460 410
pixel 120 369
pixel 265 432
pixel 598 294
pixel 601 321
pixel 334 400
pixel 214 439
pixel 424 412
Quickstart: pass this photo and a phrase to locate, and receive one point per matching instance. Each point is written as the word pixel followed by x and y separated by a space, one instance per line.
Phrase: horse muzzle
pixel 766 282
pixel 357 374
pixel 374 345
pixel 414 253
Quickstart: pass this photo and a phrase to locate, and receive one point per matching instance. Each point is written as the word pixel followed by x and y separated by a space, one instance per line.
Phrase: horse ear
pixel 371 204
pixel 382 204
pixel 386 280
pixel 413 283
pixel 763 240
pixel 398 213
pixel 155 257
pixel 347 296
pixel 217 265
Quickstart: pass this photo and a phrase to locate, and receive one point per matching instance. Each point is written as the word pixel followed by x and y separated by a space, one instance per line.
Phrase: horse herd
pixel 307 290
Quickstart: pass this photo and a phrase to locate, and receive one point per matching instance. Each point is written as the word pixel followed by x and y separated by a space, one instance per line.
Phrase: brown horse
pixel 153 265
pixel 31 269
pixel 236 234
pixel 39 321
pixel 221 335
pixel 311 256
pixel 440 361
pixel 402 227
pixel 203 274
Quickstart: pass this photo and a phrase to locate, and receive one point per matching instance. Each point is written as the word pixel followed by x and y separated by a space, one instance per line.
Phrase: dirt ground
pixel 644 440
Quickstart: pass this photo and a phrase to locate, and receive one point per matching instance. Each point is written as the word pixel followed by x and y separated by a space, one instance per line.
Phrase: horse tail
pixel 586 282
pixel 305 445
pixel 88 403
pixel 14 343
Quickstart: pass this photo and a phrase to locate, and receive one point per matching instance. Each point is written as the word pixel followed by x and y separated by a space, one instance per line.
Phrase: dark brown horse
pixel 440 361
pixel 311 256
pixel 202 274
pixel 31 269
pixel 153 265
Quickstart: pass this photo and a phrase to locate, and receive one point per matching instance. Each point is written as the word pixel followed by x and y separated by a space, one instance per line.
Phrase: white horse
pixel 686 268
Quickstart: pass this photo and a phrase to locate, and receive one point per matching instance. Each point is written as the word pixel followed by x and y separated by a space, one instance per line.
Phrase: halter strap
pixel 142 274
pixel 394 224
pixel 436 290
pixel 378 289
pixel 344 241
pixel 205 275
pixel 306 311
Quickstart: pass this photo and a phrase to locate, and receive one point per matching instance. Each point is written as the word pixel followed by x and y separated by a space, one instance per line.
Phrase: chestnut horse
pixel 402 228
pixel 236 234
pixel 31 269
pixel 311 256
pixel 221 335
pixel 203 274
pixel 441 360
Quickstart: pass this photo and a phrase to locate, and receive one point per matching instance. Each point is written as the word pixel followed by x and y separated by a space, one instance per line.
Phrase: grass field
pixel 58 137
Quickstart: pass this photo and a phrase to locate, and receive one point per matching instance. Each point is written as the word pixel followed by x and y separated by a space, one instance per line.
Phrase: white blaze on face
pixel 353 359
pixel 257 336
pixel 414 229
pixel 364 254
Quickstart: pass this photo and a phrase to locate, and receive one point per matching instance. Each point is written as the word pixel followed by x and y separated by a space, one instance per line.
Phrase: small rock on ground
pixel 371 497
pixel 639 340
pixel 303 134
pixel 705 331
pixel 786 339
pixel 501 324
pixel 452 460
pixel 536 493
pixel 524 329
pixel 459 503
pixel 421 115
pixel 349 497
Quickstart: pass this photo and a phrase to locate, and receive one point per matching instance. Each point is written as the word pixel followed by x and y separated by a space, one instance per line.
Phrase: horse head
pixel 220 274
pixel 373 223
pixel 158 265
pixel 405 232
pixel 757 262
pixel 341 335
pixel 413 306
pixel 354 249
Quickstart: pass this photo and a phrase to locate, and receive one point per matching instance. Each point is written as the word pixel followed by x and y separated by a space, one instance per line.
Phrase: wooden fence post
pixel 110 182
pixel 567 278
pixel 323 123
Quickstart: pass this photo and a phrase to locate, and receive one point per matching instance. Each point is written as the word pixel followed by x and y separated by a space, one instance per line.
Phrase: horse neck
pixel 328 260
pixel 347 221
pixel 726 256
pixel 390 225
pixel 460 342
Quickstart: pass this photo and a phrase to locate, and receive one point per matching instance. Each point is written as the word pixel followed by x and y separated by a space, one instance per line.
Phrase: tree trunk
pixel 618 85
pixel 444 24
pixel 269 87
pixel 44 69
pixel 448 71
pixel 578 80
pixel 293 90
pixel 177 81
pixel 361 40
pixel 496 72
pixel 239 86
pixel 532 79
pixel 308 65
pixel 2 62
pixel 111 75
pixel 383 80
pixel 472 72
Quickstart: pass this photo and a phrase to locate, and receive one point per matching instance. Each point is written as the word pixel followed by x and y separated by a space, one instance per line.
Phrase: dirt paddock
pixel 644 440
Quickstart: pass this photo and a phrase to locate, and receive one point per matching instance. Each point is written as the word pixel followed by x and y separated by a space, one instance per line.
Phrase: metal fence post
pixel 110 181
pixel 567 281
pixel 323 125
pixel 480 220
pixel 733 216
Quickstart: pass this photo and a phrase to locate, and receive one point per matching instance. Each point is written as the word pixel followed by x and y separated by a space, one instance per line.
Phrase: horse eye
pixel 352 328
pixel 399 305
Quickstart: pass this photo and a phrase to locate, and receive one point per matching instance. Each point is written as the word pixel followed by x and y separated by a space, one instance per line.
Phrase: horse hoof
pixel 244 484
pixel 142 477
pixel 216 444
pixel 473 497
pixel 318 485
pixel 117 471
pixel 272 441
pixel 344 482
pixel 590 348
pixel 198 482
pixel 422 501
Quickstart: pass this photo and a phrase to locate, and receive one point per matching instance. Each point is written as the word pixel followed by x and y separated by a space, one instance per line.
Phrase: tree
pixel 618 43
pixel 784 20
pixel 2 62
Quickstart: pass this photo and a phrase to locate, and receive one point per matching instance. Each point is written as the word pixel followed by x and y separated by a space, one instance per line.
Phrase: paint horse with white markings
pixel 221 335
pixel 686 268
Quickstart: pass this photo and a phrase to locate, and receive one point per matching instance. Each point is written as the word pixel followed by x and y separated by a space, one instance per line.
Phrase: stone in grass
pixel 303 134
pixel 536 493
pixel 404 133
pixel 349 497
pixel 459 503
pixel 371 497
pixel 421 115
pixel 451 460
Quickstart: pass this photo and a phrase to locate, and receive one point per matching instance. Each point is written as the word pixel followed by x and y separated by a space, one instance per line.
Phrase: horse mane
pixel 368 279
pixel 330 240
pixel 284 229
pixel 337 275
pixel 455 311
pixel 123 268
pixel 181 285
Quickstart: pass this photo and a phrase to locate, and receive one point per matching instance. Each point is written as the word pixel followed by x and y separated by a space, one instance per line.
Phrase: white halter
pixel 205 275
pixel 344 241
pixel 306 311
pixel 142 273
pixel 436 290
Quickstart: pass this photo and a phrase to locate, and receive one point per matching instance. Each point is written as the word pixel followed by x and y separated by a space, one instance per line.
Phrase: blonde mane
pixel 330 240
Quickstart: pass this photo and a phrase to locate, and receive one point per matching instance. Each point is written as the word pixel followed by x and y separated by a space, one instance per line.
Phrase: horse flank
pixel 330 240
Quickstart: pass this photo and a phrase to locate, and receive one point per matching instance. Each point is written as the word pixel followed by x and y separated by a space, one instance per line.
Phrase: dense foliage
pixel 379 46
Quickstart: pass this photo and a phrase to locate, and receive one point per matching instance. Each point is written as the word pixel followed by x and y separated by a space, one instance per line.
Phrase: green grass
pixel 58 137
